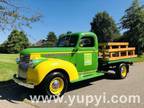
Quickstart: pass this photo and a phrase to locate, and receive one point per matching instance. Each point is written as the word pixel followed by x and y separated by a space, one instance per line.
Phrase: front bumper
pixel 22 82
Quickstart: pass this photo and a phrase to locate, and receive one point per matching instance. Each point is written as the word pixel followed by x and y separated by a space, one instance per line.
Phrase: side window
pixel 87 42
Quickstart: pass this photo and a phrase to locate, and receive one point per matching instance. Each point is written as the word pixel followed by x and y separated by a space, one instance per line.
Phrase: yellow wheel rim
pixel 56 85
pixel 123 71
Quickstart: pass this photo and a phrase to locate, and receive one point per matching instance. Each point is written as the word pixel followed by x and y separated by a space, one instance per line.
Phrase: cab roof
pixel 82 33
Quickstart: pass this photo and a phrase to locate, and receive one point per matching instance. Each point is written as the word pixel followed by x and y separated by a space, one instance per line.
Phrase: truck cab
pixel 84 53
pixel 75 58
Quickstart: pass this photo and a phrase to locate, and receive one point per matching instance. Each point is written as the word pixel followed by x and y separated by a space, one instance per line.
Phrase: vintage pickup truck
pixel 76 57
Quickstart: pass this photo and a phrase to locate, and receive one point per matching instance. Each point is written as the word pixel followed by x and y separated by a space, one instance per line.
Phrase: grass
pixel 8 66
pixel 139 59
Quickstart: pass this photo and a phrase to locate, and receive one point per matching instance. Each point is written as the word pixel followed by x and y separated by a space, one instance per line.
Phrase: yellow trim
pixel 87 51
pixel 113 43
pixel 37 74
pixel 124 71
pixel 35 56
pixel 59 86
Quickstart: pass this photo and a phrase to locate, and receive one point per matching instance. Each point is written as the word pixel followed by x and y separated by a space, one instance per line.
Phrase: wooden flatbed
pixel 112 54
pixel 116 51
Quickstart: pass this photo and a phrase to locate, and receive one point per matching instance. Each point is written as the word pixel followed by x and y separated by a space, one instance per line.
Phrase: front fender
pixel 37 74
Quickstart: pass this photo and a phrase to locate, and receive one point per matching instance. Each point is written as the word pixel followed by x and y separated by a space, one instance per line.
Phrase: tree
pixel 104 26
pixel 51 39
pixel 133 22
pixel 11 15
pixel 41 43
pixel 17 41
pixel 69 32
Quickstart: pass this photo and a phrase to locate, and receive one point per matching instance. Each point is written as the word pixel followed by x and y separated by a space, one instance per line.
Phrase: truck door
pixel 87 55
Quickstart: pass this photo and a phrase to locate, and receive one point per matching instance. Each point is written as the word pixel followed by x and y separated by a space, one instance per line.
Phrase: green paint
pixel 69 53
pixel 121 60
pixel 89 76
pixel 46 50
pixel 84 58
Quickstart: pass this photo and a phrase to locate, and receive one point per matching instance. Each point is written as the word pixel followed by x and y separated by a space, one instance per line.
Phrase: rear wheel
pixel 122 71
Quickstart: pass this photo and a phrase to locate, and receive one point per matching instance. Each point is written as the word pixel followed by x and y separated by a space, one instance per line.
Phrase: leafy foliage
pixel 51 39
pixel 69 32
pixel 40 43
pixel 104 26
pixel 16 42
pixel 11 16
pixel 133 22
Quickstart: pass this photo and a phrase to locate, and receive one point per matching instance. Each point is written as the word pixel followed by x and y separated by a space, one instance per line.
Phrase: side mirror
pixel 81 44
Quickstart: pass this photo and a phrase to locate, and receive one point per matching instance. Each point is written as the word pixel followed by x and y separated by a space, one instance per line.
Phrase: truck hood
pixel 46 50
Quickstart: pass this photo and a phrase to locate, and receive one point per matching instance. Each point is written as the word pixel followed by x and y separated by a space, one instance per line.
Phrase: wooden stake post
pixel 116 50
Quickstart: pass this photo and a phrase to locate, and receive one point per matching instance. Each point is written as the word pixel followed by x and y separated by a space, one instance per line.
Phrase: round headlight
pixel 31 64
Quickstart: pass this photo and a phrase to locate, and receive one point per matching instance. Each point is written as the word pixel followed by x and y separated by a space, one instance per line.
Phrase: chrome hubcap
pixel 56 84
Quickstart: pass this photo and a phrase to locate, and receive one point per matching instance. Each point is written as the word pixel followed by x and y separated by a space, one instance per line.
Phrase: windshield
pixel 67 41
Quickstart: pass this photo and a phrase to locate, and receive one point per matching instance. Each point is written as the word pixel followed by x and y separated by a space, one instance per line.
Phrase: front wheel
pixel 55 84
pixel 122 71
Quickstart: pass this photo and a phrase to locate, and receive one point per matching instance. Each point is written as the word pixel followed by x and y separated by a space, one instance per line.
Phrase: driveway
pixel 13 95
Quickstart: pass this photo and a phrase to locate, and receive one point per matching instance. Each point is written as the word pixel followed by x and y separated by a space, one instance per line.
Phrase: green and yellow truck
pixel 75 58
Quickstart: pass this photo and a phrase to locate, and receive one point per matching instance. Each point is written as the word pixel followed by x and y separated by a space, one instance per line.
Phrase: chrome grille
pixel 24 58
pixel 23 66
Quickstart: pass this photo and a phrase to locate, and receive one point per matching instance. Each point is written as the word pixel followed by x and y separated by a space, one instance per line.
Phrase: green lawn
pixel 8 66
pixel 139 59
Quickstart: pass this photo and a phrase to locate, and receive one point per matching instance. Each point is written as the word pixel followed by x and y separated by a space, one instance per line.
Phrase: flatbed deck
pixel 116 51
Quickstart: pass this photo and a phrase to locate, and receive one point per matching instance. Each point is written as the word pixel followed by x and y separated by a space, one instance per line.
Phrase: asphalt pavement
pixel 101 92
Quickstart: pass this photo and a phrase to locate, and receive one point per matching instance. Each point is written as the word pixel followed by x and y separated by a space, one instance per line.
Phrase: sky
pixel 61 16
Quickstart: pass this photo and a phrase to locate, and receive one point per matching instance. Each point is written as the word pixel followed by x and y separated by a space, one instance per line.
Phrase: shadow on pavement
pixel 11 91
pixel 85 83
